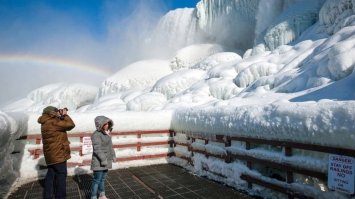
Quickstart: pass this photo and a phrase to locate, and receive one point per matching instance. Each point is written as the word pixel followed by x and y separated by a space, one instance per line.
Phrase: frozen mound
pixel 292 23
pixel 72 96
pixel 106 103
pixel 336 14
pixel 177 82
pixel 223 89
pixel 139 75
pixel 216 59
pixel 189 56
pixel 151 101
pixel 254 72
pixel 341 58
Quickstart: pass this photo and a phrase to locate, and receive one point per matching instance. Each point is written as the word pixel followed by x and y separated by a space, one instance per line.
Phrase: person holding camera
pixel 103 155
pixel 54 124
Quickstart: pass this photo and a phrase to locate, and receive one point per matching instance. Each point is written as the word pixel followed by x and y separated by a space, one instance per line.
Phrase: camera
pixel 62 112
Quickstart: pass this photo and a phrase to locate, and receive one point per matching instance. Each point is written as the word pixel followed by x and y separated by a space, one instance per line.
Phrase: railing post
pixel 192 141
pixel 37 152
pixel 81 141
pixel 289 174
pixel 249 163
pixel 206 154
pixel 139 135
pixel 228 143
pixel 38 140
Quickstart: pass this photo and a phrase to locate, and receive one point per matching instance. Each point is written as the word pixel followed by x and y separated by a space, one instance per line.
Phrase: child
pixel 103 155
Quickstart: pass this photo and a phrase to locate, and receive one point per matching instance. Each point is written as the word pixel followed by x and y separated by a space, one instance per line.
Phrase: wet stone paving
pixel 158 181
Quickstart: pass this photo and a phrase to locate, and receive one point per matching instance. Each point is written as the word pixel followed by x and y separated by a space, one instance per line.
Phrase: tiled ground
pixel 158 181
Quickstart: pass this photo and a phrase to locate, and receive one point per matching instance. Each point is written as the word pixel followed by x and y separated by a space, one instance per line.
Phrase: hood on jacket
pixel 101 120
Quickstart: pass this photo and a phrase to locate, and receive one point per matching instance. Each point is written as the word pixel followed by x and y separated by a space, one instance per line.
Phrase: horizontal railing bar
pixel 282 166
pixel 39 136
pixel 270 185
pixel 305 146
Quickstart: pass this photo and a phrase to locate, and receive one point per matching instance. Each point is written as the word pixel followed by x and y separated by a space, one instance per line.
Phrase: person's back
pixel 55 140
pixel 56 149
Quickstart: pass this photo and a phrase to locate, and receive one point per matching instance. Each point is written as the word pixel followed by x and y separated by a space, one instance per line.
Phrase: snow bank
pixel 325 123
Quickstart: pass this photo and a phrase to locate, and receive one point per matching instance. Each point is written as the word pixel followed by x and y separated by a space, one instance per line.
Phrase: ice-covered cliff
pixel 237 24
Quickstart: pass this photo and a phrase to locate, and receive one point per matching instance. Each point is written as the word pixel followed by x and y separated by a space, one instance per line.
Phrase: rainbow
pixel 53 61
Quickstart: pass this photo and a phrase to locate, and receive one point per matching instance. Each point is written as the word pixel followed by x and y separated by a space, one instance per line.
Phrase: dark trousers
pixel 55 181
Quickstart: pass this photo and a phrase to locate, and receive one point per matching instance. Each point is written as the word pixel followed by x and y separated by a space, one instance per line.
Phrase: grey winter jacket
pixel 103 154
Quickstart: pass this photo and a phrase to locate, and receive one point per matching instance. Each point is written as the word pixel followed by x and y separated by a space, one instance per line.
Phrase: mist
pixel 114 38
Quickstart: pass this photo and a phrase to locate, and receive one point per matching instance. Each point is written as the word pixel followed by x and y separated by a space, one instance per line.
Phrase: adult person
pixel 54 124
pixel 103 155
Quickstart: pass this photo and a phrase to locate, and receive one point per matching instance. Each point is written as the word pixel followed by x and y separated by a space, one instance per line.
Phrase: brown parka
pixel 54 136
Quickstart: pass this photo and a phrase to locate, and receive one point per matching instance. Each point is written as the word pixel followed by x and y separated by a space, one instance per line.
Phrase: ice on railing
pixel 180 138
pixel 217 150
pixel 317 164
pixel 12 126
pixel 180 150
pixel 324 123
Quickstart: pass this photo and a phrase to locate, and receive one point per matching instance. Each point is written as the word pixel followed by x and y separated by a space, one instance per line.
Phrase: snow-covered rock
pixel 177 82
pixel 72 96
pixel 216 59
pixel 189 56
pixel 151 101
pixel 139 75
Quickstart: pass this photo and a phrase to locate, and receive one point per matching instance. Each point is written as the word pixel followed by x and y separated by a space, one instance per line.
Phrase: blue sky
pixel 89 31
pixel 18 18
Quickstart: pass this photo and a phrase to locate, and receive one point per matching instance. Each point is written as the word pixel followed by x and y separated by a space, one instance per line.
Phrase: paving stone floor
pixel 158 181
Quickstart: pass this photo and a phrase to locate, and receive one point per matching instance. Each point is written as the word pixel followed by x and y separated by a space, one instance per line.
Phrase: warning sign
pixel 87 145
pixel 341 173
